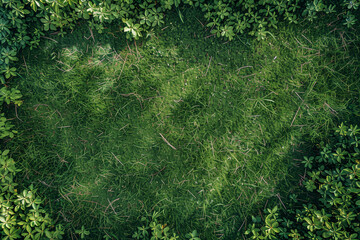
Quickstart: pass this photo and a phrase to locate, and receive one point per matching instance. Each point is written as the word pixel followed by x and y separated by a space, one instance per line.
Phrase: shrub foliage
pixel 332 210
pixel 152 229
pixel 21 213
pixel 23 23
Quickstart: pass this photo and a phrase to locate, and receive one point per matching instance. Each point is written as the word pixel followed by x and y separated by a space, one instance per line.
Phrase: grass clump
pixel 203 131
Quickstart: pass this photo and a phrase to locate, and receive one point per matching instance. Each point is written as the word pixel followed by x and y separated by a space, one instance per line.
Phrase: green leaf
pixel 5 152
pixel 308 220
pixel 326 234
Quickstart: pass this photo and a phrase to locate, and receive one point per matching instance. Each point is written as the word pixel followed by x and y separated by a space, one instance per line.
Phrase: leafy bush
pixel 228 18
pixel 333 209
pixel 22 216
pixel 21 213
pixel 153 230
pixel 23 23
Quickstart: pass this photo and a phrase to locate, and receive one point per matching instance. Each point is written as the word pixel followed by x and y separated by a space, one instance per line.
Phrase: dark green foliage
pixel 229 18
pixel 21 213
pixel 23 22
pixel 153 230
pixel 8 96
pixel 333 205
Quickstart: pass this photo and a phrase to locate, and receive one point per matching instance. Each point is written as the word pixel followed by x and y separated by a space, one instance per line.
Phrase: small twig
pixel 200 22
pixel 297 94
pixel 66 197
pixel 262 218
pixel 63 70
pixel 278 195
pixel 167 142
pixel 92 34
pixel 112 34
pixel 307 48
pixel 123 127
pixel 208 66
pixel 66 220
pixel 294 117
pixel 266 204
pixel 137 51
pixel 70 67
pixel 306 39
pixel 191 193
pixel 16 113
pixel 154 174
pixel 58 113
pixel 61 159
pixel 315 54
pixel 130 50
pixel 260 129
pixel 117 159
pixel 27 70
pixel 243 68
pixel 263 179
pixel 298 42
pixel 239 196
pixel 50 39
pixel 155 97
pixel 164 28
pixel 37 105
pixel 343 41
pixel 43 182
pixel 212 148
pixel 250 75
pixel 242 225
pixel 123 66
pixel 110 205
pixel 139 98
pixel 210 36
pixel 332 110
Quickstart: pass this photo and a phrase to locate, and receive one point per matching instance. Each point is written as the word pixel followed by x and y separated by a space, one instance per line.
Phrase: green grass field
pixel 206 132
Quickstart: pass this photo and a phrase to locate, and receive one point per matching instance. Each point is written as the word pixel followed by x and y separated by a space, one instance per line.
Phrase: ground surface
pixel 203 130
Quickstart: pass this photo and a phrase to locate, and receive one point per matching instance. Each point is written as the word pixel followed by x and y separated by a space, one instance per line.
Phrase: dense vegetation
pixel 333 212
pixel 23 23
pixel 119 135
